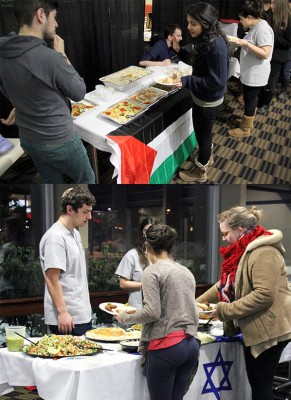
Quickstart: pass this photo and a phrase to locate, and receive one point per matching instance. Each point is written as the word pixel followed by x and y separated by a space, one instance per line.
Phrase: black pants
pixel 203 120
pixel 79 330
pixel 268 92
pixel 251 94
pixel 261 370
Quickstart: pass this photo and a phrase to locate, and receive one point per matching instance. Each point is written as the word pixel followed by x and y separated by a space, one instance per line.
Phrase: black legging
pixel 251 94
pixel 203 120
pixel 261 370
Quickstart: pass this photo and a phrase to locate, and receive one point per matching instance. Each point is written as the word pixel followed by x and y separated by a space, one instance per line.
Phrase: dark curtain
pixel 229 9
pixel 101 36
pixel 126 32
pixel 171 11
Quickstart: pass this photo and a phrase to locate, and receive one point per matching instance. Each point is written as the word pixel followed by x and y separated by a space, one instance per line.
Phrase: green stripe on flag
pixel 165 172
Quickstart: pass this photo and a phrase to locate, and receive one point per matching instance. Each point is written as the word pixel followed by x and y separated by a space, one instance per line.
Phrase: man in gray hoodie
pixel 40 81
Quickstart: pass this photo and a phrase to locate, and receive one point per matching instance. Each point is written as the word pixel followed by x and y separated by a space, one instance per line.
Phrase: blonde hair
pixel 241 217
pixel 281 16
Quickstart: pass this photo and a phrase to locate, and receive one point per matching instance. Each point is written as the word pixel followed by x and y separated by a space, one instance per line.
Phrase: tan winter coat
pixel 262 306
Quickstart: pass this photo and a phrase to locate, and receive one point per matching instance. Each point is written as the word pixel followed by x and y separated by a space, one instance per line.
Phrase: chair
pixel 286 381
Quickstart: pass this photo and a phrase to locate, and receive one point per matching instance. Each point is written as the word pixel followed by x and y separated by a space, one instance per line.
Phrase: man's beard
pixel 48 35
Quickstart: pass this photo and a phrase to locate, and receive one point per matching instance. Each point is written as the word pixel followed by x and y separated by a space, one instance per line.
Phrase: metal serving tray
pixel 168 89
pixel 123 111
pixel 126 78
pixel 148 96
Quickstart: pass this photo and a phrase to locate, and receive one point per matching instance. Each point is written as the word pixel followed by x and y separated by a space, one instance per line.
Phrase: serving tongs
pixel 205 327
pixel 101 348
pixel 26 338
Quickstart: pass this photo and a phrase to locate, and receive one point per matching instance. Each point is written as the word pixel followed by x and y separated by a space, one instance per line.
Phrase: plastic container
pixel 13 341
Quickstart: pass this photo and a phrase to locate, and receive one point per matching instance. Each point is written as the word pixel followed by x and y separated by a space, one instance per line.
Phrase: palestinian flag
pixel 155 144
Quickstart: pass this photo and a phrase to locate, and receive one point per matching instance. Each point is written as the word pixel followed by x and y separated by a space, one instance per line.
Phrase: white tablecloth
pixel 8 159
pixel 118 375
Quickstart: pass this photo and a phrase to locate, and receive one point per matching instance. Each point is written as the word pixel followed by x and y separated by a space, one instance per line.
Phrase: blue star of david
pixel 209 369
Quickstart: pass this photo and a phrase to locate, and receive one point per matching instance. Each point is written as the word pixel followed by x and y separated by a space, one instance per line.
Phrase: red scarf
pixel 232 255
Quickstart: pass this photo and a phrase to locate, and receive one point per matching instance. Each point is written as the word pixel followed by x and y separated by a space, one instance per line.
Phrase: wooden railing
pixel 34 305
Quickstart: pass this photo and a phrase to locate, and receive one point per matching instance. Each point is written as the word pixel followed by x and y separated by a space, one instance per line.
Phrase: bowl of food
pixel 130 346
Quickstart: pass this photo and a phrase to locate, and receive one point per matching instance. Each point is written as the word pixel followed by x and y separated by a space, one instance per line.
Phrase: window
pixel 20 229
pixel 117 216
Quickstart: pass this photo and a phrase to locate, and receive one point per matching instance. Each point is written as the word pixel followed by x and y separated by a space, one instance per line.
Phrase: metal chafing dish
pixel 126 78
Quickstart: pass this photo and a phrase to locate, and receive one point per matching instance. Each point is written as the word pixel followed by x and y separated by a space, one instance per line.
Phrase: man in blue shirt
pixel 165 49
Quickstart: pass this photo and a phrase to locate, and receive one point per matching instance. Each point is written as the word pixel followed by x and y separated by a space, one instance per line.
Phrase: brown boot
pixel 244 130
pixel 193 156
pixel 197 175
pixel 237 122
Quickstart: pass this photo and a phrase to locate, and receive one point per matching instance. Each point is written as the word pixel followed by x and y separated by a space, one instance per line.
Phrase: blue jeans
pixel 286 73
pixel 170 371
pixel 54 160
pixel 79 330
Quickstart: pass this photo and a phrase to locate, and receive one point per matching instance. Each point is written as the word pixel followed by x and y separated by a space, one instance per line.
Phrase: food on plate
pixel 123 111
pixel 171 78
pixel 81 108
pixel 110 306
pixel 126 76
pixel 232 39
pixel 125 308
pixel 61 346
pixel 167 80
pixel 111 334
pixel 147 96
pixel 204 307
pixel 136 327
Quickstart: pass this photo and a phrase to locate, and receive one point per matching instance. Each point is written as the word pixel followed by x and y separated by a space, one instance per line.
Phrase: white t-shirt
pixel 60 248
pixel 255 71
pixel 130 268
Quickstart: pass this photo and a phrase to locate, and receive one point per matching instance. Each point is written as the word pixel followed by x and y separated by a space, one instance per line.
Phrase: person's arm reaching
pixel 65 321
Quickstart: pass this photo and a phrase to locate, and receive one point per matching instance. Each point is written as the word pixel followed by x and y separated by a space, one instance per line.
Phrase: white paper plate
pixel 160 79
pixel 103 305
pixel 231 39
pixel 208 311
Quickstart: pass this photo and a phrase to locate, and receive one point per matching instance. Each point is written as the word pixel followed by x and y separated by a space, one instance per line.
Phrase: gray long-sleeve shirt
pixel 39 82
pixel 169 301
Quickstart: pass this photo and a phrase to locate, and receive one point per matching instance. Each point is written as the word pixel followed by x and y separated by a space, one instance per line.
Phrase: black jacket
pixel 282 44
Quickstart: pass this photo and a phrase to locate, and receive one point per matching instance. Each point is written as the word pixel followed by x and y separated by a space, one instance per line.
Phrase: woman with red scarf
pixel 252 294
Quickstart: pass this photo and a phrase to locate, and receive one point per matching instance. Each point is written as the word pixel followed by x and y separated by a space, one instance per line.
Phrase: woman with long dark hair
pixel 255 58
pixel 130 267
pixel 281 24
pixel 169 317
pixel 210 59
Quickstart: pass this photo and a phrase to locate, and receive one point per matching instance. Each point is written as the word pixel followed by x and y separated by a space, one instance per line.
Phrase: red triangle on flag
pixel 137 159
